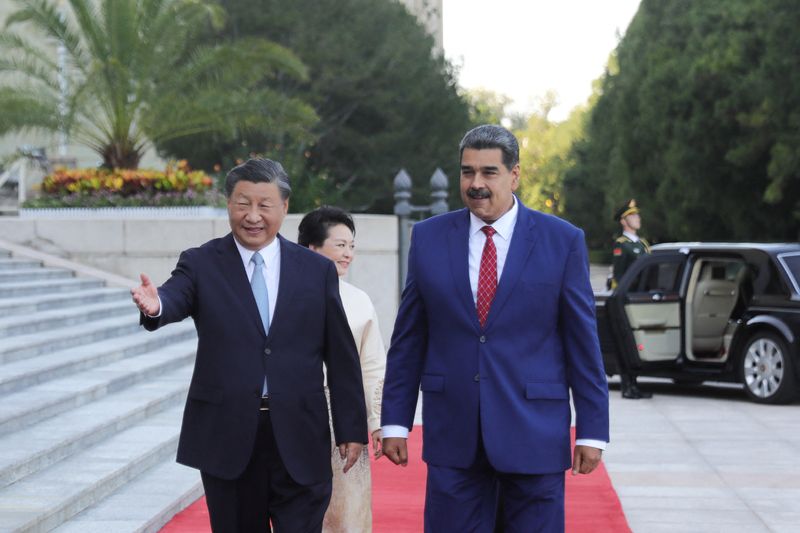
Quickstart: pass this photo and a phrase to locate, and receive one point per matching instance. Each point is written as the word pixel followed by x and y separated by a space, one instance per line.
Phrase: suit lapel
pixel 291 275
pixel 458 243
pixel 522 243
pixel 236 276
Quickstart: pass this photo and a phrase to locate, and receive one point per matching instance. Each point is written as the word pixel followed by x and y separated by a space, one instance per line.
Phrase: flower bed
pixel 177 185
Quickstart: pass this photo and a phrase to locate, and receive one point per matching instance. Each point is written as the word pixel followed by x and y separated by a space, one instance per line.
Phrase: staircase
pixel 90 406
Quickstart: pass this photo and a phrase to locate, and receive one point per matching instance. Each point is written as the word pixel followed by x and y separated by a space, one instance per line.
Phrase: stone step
pixel 35 370
pixel 33 344
pixel 32 274
pixel 25 452
pixel 143 505
pixel 49 498
pixel 7 263
pixel 51 286
pixel 47 320
pixel 45 302
pixel 25 408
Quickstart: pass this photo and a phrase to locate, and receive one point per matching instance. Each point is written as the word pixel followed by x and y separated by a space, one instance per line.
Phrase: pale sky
pixel 522 48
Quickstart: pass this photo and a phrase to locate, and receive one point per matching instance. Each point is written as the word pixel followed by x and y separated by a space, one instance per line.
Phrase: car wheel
pixel 767 369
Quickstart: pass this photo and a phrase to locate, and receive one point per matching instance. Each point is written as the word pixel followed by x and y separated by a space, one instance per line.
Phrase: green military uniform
pixel 625 253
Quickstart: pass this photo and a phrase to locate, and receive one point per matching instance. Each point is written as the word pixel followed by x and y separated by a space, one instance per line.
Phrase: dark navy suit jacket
pixel 510 380
pixel 309 328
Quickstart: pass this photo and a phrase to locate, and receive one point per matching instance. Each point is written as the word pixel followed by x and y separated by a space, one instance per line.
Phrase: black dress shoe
pixel 633 392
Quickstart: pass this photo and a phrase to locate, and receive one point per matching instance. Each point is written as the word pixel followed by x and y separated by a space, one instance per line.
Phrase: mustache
pixel 478 194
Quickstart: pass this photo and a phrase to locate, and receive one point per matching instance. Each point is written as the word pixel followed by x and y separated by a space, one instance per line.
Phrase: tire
pixel 767 369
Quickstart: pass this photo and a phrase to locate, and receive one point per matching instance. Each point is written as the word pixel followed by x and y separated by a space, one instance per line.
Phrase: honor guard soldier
pixel 628 247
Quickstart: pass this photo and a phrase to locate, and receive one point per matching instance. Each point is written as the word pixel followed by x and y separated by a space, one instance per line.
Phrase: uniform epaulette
pixel 623 238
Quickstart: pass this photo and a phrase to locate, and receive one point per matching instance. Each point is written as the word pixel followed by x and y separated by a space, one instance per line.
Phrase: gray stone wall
pixel 128 247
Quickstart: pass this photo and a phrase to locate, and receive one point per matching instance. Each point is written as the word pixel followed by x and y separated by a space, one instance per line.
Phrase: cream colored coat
pixel 350 509
pixel 363 321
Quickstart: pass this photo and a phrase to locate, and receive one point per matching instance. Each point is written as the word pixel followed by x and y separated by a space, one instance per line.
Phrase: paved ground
pixel 705 459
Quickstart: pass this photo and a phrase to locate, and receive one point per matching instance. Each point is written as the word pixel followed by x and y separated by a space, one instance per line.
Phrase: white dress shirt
pixel 504 229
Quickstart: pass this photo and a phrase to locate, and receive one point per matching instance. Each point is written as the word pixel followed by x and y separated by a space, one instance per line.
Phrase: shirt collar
pixel 503 226
pixel 631 236
pixel 269 252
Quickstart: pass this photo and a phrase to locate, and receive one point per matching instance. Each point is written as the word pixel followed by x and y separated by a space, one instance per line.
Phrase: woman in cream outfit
pixel 330 231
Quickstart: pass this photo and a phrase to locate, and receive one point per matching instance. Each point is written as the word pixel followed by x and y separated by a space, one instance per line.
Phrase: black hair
pixel 489 136
pixel 259 170
pixel 314 227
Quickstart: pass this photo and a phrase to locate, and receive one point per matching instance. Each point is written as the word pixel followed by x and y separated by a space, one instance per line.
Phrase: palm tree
pixel 137 74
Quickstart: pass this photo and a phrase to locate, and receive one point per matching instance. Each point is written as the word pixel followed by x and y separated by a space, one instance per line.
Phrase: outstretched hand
pixel 585 459
pixel 145 296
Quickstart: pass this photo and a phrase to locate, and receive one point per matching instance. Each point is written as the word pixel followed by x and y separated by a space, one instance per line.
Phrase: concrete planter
pixel 123 212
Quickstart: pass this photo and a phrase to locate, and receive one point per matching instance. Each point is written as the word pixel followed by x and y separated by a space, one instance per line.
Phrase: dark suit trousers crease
pixel 265 492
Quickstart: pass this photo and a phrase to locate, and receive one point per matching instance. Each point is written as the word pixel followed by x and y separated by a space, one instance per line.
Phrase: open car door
pixel 651 305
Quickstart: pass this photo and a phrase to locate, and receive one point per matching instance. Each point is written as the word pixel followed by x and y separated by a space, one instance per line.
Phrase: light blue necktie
pixel 261 295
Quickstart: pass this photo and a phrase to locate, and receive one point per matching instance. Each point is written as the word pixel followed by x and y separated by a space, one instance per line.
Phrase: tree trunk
pixel 121 154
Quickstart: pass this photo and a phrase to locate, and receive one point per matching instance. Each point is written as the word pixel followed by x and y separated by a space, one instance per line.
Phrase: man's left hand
pixel 585 459
pixel 350 451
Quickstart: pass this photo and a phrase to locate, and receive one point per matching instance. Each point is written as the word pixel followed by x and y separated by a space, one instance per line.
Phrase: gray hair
pixel 259 170
pixel 489 136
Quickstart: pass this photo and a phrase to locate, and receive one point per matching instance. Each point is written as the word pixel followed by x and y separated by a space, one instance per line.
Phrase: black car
pixel 709 311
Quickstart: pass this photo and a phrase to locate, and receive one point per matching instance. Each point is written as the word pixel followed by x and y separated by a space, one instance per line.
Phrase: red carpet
pixel 592 504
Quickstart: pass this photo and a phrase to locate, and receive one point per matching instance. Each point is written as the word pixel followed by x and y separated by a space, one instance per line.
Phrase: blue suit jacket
pixel 309 327
pixel 510 381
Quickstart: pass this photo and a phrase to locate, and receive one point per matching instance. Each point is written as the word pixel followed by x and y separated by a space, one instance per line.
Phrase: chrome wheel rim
pixel 763 367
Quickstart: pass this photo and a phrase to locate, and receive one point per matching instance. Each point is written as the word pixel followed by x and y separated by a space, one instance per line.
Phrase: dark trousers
pixel 265 493
pixel 465 500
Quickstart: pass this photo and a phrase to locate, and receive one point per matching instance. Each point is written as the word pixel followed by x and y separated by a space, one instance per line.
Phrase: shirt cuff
pixel 160 309
pixel 599 444
pixel 392 432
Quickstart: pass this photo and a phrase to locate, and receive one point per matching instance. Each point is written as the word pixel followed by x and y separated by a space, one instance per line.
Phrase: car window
pixel 765 278
pixel 658 277
pixel 791 262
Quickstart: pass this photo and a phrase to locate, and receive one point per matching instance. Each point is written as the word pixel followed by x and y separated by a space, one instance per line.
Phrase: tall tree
pixel 700 123
pixel 137 73
pixel 384 102
pixel 545 154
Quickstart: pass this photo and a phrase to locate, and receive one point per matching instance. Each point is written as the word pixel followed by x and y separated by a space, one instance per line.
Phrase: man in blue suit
pixel 268 316
pixel 496 326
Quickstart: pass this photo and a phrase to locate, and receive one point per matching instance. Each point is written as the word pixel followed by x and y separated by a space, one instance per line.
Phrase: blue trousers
pixel 462 500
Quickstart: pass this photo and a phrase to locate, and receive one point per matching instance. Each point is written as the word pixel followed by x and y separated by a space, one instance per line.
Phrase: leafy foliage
pixel 137 72
pixel 384 103
pixel 701 124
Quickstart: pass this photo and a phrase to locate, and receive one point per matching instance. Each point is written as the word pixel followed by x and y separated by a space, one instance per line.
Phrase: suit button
pixel 477 377
pixel 267 351
pixel 482 339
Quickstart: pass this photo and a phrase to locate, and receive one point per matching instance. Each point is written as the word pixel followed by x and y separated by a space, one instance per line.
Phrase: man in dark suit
pixel 496 326
pixel 268 316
